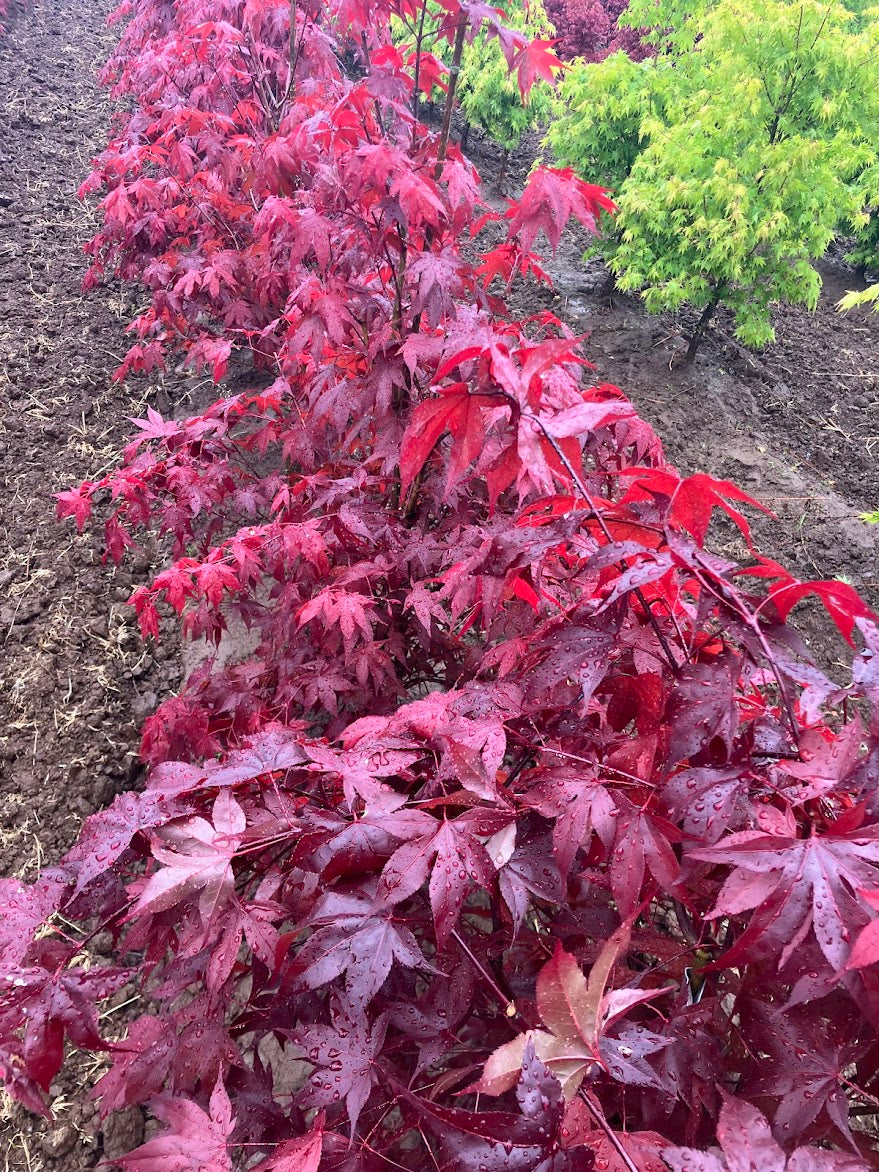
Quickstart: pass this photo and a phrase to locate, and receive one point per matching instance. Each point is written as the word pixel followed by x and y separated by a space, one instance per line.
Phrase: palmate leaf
pixel 617 1151
pixel 811 1088
pixel 106 835
pixel 197 859
pixel 536 60
pixel 158 1053
pixel 692 500
pixel 534 1141
pixel 794 887
pixel 551 197
pixel 298 1155
pixel 747 1145
pixel 450 859
pixel 577 1013
pixel 50 1007
pixel 195 1140
pixel 343 1055
pixel 358 943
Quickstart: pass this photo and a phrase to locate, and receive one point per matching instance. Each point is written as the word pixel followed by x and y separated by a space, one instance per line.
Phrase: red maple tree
pixel 522 792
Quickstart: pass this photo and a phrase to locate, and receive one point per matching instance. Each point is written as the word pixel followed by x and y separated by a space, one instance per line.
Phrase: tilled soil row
pixel 75 678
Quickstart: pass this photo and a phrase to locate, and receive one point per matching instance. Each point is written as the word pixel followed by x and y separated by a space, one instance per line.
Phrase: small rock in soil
pixel 59 1141
pixel 122 1132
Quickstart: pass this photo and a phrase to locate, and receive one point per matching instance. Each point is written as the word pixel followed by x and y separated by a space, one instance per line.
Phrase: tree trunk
pixel 465 136
pixel 502 173
pixel 608 287
pixel 454 70
pixel 698 335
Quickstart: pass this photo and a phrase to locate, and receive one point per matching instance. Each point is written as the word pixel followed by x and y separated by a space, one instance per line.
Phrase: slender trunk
pixel 416 101
pixel 608 286
pixel 454 70
pixel 292 46
pixel 465 136
pixel 698 335
pixel 502 173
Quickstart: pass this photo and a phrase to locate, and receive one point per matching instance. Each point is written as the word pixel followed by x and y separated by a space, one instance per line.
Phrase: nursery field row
pixel 512 825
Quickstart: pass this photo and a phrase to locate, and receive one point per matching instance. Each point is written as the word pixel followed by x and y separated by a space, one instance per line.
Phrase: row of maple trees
pixel 527 835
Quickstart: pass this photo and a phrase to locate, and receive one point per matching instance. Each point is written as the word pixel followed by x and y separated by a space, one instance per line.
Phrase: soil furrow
pixel 75 681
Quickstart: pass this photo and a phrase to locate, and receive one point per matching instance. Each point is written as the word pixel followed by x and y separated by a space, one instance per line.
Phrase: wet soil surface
pixel 75 679
pixel 796 426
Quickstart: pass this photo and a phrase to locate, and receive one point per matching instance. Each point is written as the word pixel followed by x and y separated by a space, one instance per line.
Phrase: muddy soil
pixel 75 679
pixel 796 426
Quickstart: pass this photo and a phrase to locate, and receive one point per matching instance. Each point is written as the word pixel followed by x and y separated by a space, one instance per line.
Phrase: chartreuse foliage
pixel 868 296
pixel 599 110
pixel 865 251
pixel 526 837
pixel 745 159
pixel 489 95
pixel 671 27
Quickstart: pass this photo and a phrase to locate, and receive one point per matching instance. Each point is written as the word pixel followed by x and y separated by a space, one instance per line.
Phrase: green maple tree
pixel 735 155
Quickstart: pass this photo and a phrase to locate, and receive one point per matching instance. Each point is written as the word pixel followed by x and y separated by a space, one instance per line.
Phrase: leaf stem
pixel 509 1005
pixel 587 497
pixel 598 1115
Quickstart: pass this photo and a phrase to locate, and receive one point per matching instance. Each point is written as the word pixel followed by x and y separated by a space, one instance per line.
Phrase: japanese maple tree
pixel 526 835
pixel 589 29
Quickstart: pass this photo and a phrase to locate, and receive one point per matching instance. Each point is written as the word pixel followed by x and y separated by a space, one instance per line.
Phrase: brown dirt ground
pixel 75 680
pixel 796 426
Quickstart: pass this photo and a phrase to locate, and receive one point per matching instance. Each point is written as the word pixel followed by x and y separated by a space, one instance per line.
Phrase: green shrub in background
pixel 489 95
pixel 599 109
pixel 865 251
pixel 757 123
pixel 487 92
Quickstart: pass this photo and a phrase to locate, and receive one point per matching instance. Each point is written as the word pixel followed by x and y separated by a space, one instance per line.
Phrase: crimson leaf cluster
pixel 526 835
pixel 589 29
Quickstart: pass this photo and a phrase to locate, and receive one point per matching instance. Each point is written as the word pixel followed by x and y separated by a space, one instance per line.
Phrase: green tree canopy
pixel 747 152
pixel 489 93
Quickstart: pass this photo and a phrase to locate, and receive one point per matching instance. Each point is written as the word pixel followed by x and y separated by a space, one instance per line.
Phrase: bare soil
pixel 796 426
pixel 75 680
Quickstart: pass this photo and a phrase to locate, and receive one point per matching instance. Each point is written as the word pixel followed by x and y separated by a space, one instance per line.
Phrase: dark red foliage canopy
pixel 525 835
pixel 589 29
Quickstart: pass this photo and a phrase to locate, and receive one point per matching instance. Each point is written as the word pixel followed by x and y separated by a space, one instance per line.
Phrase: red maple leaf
pixel 577 1013
pixel 195 1140
pixel 747 1145
pixel 460 861
pixel 794 887
pixel 842 602
pixel 536 60
pixel 51 1006
pixel 297 1155
pixel 197 860
pixel 343 1056
pixel 350 938
pixel 551 196
pixel 692 499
